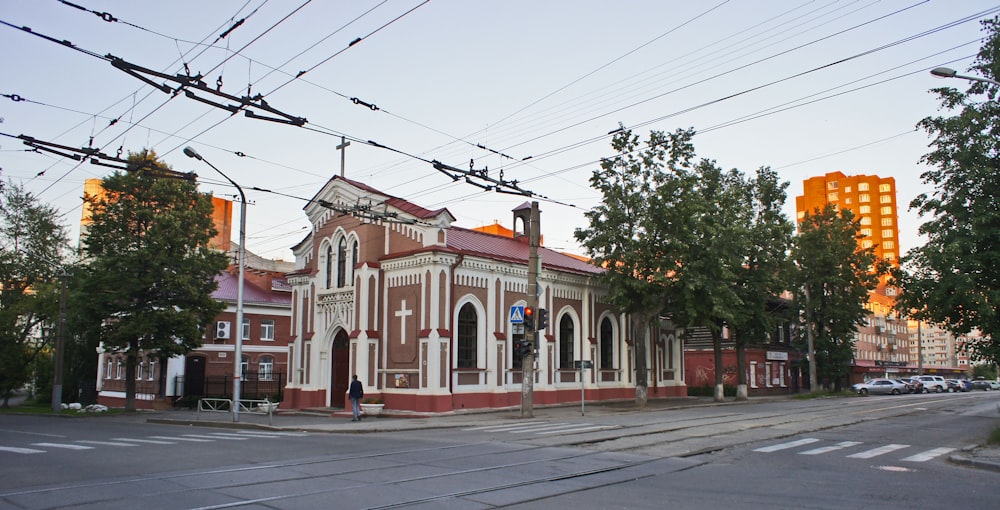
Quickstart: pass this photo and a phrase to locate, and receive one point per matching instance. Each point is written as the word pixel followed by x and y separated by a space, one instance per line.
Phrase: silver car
pixel 880 387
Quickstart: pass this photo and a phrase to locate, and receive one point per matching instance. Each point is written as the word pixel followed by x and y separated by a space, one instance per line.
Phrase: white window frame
pixel 265 368
pixel 267 329
pixel 245 330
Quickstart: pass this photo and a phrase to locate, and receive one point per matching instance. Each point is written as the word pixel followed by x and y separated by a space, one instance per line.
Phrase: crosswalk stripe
pixel 783 446
pixel 20 450
pixel 501 427
pixel 104 443
pixel 546 426
pixel 575 430
pixel 217 436
pixel 827 449
pixel 875 452
pixel 928 455
pixel 175 438
pixel 144 441
pixel 64 446
pixel 268 434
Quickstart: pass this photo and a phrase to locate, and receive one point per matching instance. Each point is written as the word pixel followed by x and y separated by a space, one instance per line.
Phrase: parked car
pixel 983 384
pixel 956 385
pixel 912 385
pixel 880 387
pixel 934 383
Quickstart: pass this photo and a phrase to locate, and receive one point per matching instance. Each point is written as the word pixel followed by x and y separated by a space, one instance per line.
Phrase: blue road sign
pixel 517 315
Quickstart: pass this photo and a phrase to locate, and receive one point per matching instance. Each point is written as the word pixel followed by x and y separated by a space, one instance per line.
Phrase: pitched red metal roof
pixel 497 247
pixel 228 284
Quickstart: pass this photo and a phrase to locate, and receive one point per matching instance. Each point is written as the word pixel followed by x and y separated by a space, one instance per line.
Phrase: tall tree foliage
pixel 620 239
pixel 954 279
pixel 32 244
pixel 681 237
pixel 763 274
pixel 832 280
pixel 150 270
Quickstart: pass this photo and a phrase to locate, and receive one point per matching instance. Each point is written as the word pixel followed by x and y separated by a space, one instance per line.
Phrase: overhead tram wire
pixel 616 90
pixel 795 104
pixel 522 163
pixel 745 91
pixel 182 56
pixel 718 75
pixel 612 61
pixel 68 44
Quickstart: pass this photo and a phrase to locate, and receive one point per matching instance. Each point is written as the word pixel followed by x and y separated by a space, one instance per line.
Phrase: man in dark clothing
pixel 356 393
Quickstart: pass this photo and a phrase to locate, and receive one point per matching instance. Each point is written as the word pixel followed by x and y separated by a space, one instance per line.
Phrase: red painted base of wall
pixel 699 371
pixel 299 399
pixel 119 403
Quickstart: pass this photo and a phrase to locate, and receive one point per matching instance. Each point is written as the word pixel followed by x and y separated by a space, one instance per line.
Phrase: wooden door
pixel 340 376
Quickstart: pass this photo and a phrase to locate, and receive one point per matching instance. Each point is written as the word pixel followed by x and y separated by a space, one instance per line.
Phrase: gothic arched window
pixel 329 266
pixel 341 262
pixel 607 355
pixel 566 342
pixel 467 341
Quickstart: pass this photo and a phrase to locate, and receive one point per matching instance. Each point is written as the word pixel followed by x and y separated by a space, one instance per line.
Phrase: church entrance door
pixel 339 370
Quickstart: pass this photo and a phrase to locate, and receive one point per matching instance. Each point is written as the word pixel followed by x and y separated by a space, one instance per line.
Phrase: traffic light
pixel 526 348
pixel 518 345
pixel 542 321
pixel 529 318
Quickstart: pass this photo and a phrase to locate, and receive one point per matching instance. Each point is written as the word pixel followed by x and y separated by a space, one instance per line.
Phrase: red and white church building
pixel 418 308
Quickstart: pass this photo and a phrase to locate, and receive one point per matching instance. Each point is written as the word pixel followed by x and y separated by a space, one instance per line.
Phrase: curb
pixel 975 463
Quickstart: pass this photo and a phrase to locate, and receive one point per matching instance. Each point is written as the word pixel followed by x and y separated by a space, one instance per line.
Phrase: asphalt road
pixel 884 452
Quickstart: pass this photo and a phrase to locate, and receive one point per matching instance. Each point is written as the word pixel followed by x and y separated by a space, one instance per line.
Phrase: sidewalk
pixel 339 420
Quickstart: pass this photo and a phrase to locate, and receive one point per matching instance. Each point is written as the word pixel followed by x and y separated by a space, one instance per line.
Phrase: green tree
pixel 150 271
pixel 620 239
pixel 684 238
pixel 833 278
pixel 762 276
pixel 32 245
pixel 954 279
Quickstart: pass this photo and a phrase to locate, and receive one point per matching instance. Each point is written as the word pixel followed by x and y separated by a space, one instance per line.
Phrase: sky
pixel 528 88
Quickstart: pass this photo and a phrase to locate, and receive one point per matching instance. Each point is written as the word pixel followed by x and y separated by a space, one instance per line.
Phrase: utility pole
pixel 57 385
pixel 810 344
pixel 532 336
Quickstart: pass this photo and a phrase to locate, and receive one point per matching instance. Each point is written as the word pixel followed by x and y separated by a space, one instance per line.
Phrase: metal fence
pixel 254 385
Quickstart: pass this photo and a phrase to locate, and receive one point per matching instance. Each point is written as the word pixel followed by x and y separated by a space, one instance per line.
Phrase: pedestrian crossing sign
pixel 517 315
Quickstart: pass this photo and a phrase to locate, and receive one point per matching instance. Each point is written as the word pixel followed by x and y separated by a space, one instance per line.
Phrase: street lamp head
pixel 940 72
pixel 191 153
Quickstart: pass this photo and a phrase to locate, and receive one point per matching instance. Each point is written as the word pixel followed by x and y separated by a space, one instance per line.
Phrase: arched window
pixel 341 262
pixel 265 368
pixel 354 258
pixel 607 344
pixel 329 266
pixel 566 342
pixel 467 341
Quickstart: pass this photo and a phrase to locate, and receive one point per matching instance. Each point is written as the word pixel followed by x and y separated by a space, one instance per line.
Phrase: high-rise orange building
pixel 222 215
pixel 870 197
pixel 881 344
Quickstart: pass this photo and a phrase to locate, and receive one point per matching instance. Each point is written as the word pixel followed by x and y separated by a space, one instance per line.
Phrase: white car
pixel 934 383
pixel 880 387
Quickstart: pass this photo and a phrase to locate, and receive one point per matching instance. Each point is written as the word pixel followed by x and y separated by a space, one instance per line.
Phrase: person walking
pixel 356 393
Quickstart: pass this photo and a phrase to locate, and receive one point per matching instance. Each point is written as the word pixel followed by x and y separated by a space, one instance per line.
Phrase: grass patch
pixel 995 436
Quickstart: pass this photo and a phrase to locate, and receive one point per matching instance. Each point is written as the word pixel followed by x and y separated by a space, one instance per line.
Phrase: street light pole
pixel 241 262
pixel 947 72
